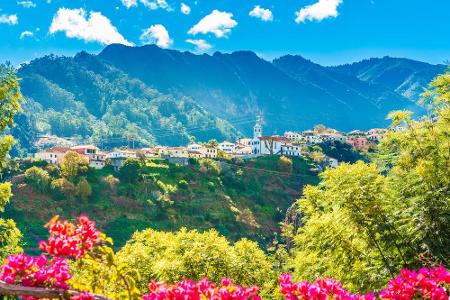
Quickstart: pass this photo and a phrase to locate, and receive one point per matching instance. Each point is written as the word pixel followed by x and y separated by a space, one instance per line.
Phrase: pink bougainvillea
pixel 37 271
pixel 321 289
pixel 83 296
pixel 423 284
pixel 67 239
pixel 191 290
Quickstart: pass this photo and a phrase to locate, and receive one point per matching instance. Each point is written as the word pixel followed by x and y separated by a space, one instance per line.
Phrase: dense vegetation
pixel 84 99
pixel 361 224
pixel 237 198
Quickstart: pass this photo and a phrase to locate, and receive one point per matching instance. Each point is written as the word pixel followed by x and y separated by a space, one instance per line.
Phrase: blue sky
pixel 326 31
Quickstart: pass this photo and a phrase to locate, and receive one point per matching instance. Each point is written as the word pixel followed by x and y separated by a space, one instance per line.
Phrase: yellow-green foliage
pixel 84 189
pixel 72 164
pixel 420 176
pixel 63 187
pixel 38 178
pixel 285 164
pixel 10 98
pixel 361 226
pixel 190 254
pixel 100 272
pixel 341 234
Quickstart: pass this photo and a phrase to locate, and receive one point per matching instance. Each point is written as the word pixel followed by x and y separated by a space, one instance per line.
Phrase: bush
pixel 38 178
pixel 183 184
pixel 63 188
pixel 189 254
pixel 111 182
pixel 84 189
pixel 285 164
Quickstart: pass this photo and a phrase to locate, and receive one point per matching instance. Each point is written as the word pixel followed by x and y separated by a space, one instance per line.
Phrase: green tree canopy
pixel 190 254
pixel 10 98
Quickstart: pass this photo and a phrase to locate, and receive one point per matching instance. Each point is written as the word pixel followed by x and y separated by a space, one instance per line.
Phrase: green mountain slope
pixel 83 97
pixel 405 76
pixel 242 83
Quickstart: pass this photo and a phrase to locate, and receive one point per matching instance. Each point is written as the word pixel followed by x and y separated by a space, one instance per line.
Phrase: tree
pixel 130 171
pixel 190 254
pixel 84 189
pixel 213 143
pixel 285 164
pixel 319 128
pixel 362 224
pixel 349 223
pixel 10 98
pixel 38 178
pixel 72 164
pixel 420 174
pixel 63 188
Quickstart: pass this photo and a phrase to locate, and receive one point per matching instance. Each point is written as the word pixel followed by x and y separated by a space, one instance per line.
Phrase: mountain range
pixel 151 95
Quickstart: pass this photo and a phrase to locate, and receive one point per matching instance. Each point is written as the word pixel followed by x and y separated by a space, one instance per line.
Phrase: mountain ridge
pixel 166 96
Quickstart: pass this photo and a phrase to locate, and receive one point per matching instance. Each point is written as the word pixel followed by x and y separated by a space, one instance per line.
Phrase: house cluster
pixel 290 144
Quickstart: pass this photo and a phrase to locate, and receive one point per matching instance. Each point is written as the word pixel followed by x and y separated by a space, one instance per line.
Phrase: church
pixel 271 145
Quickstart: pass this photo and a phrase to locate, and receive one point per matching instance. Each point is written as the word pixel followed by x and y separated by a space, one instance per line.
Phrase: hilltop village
pixel 291 144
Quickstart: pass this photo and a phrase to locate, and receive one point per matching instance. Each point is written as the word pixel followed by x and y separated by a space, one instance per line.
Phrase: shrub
pixel 84 189
pixel 189 254
pixel 285 164
pixel 183 184
pixel 37 178
pixel 62 187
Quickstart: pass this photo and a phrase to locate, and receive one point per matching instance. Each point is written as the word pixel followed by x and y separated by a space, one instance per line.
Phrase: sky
pixel 329 32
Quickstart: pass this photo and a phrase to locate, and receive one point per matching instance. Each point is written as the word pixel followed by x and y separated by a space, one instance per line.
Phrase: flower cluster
pixel 423 284
pixel 69 240
pixel 83 296
pixel 321 289
pixel 36 272
pixel 191 290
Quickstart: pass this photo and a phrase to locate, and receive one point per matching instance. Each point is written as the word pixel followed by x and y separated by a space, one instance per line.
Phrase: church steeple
pixel 257 129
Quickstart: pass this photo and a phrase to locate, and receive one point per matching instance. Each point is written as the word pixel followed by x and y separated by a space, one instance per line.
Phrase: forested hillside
pixel 404 76
pixel 237 198
pixel 88 100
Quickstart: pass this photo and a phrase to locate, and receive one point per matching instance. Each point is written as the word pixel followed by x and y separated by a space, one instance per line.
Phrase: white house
pixel 194 147
pixel 118 157
pixel 227 147
pixel 291 150
pixel 52 155
pixel 295 136
pixel 177 152
pixel 96 158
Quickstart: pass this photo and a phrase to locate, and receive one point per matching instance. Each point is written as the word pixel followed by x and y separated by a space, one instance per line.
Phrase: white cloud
pixel 185 9
pixel 262 13
pixel 219 23
pixel 318 11
pixel 157 34
pixel 154 5
pixel 9 19
pixel 129 3
pixel 201 45
pixel 96 28
pixel 26 4
pixel 25 34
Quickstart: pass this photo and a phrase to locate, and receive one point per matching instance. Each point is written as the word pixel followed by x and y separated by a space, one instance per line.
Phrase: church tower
pixel 257 129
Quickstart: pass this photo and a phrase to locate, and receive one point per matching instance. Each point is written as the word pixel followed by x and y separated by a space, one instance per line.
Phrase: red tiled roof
pixel 281 139
pixel 57 150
